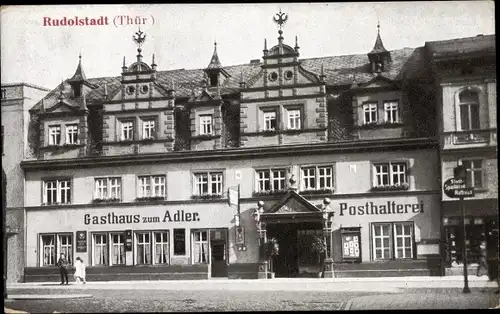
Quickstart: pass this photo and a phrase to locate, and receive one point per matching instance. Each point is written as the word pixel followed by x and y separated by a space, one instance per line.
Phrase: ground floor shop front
pixel 386 234
pixel 481 236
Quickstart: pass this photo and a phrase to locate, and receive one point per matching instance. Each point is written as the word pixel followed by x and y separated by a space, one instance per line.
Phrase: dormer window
pixel 214 80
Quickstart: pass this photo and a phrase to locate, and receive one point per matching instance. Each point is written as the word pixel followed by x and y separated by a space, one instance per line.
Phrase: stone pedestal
pixel 329 268
pixel 262 274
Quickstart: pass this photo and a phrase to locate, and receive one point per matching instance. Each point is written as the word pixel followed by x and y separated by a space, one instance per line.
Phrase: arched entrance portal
pixel 295 223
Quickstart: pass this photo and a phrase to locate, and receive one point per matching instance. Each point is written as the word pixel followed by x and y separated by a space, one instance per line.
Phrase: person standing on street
pixel 63 268
pixel 80 271
pixel 482 259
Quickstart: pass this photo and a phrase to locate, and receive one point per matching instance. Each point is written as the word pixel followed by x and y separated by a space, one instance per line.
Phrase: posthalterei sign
pixel 372 208
pixel 112 218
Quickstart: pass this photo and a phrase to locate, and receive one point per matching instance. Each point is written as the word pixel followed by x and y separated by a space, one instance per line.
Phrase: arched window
pixel 469 110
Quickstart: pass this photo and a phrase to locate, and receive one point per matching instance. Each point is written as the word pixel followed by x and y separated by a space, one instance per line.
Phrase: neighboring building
pixel 134 171
pixel 16 100
pixel 465 80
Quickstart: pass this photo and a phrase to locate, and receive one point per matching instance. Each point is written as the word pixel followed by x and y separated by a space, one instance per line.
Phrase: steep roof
pixel 338 70
pixel 460 46
pixel 379 45
pixel 214 61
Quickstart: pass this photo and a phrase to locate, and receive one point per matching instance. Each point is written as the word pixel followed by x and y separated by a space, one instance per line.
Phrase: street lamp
pixel 328 237
pixel 459 172
pixel 4 232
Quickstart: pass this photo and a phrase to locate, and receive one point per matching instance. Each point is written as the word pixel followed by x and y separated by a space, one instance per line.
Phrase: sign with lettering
pixel 390 207
pixel 112 218
pixel 81 241
pixel 128 240
pixel 456 188
pixel 240 236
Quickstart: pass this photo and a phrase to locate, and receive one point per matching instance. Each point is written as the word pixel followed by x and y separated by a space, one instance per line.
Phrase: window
pixel 57 192
pixel 152 186
pixel 143 248
pixel 294 119
pixel 214 79
pixel 72 134
pixel 270 180
pixel 4 93
pixel 65 245
pixel 273 76
pixel 469 110
pixel 208 183
pixel 55 135
pixel 474 169
pixel 392 240
pixel 53 245
pixel 107 188
pixel 205 124
pixel 161 248
pixel 388 174
pixel 391 110
pixel 270 121
pixel 48 250
pixel 370 113
pixel 200 247
pixel 127 130
pixel 179 242
pixel 117 248
pixel 148 129
pixel 317 178
pixel 100 249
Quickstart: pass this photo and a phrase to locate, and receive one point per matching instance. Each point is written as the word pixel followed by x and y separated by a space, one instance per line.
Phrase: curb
pixel 47 296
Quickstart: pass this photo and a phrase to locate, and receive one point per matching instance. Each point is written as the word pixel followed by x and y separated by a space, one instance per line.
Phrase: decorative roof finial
pixel 322 75
pixel 265 44
pixel 280 20
pixel 139 38
pixel 215 62
pixel 153 63
pixel 379 46
pixel 61 96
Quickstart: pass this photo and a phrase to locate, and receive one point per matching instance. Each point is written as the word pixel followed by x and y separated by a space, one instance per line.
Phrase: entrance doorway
pixel 286 263
pixel 218 247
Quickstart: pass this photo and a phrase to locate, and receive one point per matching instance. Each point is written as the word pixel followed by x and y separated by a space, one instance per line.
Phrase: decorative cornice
pixel 144 202
pixel 283 98
pixel 236 153
pixel 273 133
pixel 260 89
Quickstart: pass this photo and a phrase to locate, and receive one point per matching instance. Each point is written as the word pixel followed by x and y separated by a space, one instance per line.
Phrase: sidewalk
pixel 382 284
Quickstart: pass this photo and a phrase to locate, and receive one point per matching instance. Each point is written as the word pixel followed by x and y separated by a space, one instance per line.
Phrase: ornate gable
pixel 293 203
pixel 379 82
pixel 62 106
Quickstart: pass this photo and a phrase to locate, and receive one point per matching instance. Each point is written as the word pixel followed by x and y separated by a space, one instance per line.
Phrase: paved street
pixel 251 295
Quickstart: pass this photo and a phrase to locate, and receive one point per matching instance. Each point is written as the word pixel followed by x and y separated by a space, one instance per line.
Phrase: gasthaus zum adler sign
pixel 456 188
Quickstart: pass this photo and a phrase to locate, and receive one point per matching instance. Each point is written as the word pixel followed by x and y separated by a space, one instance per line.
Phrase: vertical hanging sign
pixel 240 236
pixel 81 241
pixel 128 240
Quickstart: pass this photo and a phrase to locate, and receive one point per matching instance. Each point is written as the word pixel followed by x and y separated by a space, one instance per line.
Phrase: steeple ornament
pixel 280 19
pixel 139 38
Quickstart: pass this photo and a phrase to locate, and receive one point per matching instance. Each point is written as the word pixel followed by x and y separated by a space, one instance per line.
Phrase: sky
pixel 183 35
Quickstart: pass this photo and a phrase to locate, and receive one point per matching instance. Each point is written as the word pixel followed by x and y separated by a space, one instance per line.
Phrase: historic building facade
pixel 138 172
pixel 465 82
pixel 16 100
